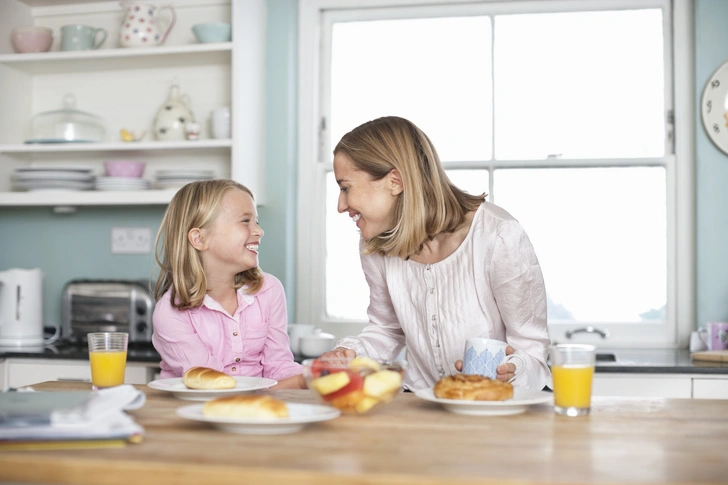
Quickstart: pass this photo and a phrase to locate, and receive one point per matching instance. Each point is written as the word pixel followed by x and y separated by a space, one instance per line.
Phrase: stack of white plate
pixel 174 179
pixel 121 183
pixel 57 178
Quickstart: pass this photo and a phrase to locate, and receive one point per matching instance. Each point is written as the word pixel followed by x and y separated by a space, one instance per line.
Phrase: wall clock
pixel 714 108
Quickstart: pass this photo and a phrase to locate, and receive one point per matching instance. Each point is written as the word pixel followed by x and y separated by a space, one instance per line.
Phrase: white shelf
pixel 33 148
pixel 125 86
pixel 86 198
pixel 119 58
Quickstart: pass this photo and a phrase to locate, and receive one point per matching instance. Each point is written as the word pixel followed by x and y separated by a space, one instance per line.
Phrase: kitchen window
pixel 574 116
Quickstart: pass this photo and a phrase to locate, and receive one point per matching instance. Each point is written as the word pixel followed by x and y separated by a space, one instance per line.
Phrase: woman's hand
pixel 339 355
pixel 504 372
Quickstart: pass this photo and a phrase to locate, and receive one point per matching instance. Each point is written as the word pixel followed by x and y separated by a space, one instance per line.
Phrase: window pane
pixel 600 236
pixel 434 72
pixel 347 293
pixel 591 86
pixel 474 182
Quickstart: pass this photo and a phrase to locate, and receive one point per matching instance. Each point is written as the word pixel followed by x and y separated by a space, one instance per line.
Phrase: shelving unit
pixel 125 87
pixel 119 58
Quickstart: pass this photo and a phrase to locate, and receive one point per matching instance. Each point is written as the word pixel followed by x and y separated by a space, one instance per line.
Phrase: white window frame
pixel 315 155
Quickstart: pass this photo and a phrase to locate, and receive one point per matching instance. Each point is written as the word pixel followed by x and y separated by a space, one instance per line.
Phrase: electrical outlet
pixel 131 240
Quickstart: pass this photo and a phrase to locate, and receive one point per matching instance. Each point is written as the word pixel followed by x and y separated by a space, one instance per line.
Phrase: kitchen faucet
pixel 603 333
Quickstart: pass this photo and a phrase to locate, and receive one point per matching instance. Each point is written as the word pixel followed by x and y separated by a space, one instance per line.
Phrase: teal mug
pixel 81 37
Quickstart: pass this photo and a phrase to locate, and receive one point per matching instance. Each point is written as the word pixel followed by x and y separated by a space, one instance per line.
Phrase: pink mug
pixel 715 335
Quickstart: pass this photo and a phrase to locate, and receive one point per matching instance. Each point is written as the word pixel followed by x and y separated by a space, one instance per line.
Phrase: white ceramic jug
pixel 139 27
pixel 21 307
pixel 173 115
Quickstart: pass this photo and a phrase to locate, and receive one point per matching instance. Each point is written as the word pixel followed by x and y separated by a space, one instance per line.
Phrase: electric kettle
pixel 21 308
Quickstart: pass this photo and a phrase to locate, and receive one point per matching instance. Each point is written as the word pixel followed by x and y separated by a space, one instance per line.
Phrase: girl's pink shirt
pixel 252 342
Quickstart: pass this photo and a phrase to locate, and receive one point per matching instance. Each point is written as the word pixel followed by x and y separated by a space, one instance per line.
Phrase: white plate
pixel 161 174
pixel 122 180
pixel 52 184
pixel 300 415
pixel 180 391
pixel 49 169
pixel 173 184
pixel 522 398
pixel 52 175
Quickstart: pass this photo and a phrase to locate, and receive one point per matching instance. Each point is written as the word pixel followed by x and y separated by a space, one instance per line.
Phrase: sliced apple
pixel 364 363
pixel 330 383
pixel 382 384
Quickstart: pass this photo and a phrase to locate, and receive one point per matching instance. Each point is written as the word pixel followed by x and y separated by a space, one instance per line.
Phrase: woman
pixel 442 265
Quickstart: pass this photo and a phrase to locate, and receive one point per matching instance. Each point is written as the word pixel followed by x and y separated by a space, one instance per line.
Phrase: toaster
pixel 107 306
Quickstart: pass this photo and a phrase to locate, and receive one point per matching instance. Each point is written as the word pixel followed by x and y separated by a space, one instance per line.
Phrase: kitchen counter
pixel 655 361
pixel 411 441
pixel 628 361
pixel 137 352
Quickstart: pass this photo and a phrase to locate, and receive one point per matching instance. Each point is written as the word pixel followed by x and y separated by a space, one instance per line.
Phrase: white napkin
pixel 103 405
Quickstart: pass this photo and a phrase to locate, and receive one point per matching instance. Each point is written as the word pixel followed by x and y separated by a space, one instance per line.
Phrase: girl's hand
pixel 293 382
pixel 504 372
pixel 339 355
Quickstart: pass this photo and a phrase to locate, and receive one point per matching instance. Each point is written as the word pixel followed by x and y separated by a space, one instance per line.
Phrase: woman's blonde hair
pixel 429 204
pixel 194 205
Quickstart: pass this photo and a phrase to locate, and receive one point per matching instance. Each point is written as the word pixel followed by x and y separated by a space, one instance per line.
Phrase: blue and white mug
pixel 483 356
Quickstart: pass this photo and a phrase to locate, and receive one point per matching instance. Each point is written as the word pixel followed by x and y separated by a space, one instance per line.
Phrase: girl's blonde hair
pixel 429 204
pixel 194 205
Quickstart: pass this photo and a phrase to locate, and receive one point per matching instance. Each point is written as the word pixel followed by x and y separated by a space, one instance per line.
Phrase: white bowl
pixel 315 345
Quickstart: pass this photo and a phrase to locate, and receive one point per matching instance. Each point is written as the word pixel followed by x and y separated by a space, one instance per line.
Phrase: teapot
pixel 139 27
pixel 173 116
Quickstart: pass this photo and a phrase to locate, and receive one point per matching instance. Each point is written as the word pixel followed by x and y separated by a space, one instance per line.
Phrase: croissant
pixel 472 388
pixel 245 407
pixel 206 378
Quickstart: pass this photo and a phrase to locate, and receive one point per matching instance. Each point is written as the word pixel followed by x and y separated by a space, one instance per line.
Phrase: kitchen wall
pixel 711 171
pixel 68 246
pixel 77 245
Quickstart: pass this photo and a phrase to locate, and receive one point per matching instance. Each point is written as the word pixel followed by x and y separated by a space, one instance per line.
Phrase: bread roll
pixel 472 388
pixel 245 407
pixel 206 378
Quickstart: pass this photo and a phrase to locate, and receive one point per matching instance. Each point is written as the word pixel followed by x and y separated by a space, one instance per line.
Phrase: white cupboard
pixel 645 385
pixel 710 388
pixel 125 87
pixel 689 386
pixel 20 372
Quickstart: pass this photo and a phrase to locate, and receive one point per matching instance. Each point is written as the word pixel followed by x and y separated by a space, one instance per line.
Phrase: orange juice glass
pixel 107 353
pixel 572 369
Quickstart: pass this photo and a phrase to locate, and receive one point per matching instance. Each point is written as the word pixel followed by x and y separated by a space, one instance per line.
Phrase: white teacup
pixel 483 356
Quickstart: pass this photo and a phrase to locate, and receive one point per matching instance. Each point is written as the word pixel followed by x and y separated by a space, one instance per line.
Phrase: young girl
pixel 215 308
pixel 442 265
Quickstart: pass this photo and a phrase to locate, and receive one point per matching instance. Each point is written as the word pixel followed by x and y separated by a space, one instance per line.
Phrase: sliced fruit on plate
pixel 331 383
pixel 356 383
pixel 366 403
pixel 382 384
pixel 347 402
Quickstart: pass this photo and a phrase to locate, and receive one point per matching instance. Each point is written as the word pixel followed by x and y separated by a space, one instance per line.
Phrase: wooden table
pixel 624 440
